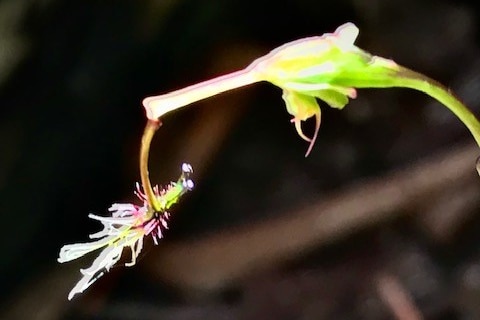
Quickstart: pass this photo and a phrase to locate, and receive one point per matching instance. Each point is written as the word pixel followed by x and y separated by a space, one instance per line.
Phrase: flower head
pixel 126 227
pixel 327 67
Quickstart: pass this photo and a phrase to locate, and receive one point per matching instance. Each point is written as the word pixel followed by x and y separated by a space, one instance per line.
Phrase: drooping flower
pixel 127 227
pixel 328 68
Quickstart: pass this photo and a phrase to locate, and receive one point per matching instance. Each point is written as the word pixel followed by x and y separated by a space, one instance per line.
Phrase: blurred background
pixel 379 222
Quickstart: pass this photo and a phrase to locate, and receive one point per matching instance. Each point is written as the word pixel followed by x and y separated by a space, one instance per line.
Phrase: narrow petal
pixel 107 258
pixel 114 220
pixel 346 35
pixel 315 134
pixel 298 127
pixel 123 209
pixel 102 233
pixel 71 252
pixel 135 249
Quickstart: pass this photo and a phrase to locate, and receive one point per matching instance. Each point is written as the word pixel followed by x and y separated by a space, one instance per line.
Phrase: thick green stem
pixel 157 106
pixel 150 129
pixel 413 80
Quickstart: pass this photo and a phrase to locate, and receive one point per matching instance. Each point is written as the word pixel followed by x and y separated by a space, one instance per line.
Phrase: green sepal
pixel 301 106
pixel 333 98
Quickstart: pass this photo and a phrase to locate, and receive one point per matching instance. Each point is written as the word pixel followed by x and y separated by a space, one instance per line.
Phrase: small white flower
pixel 126 227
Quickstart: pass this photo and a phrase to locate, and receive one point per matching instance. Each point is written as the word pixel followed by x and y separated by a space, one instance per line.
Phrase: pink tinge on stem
pixel 315 134
pixel 352 93
pixel 158 106
pixel 298 126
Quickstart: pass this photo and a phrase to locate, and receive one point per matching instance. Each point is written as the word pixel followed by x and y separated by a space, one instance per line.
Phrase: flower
pixel 126 227
pixel 328 67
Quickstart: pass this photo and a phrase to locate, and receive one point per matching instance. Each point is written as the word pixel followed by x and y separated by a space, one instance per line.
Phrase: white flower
pixel 126 227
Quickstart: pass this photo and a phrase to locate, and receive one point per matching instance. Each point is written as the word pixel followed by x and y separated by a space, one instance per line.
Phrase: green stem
pixel 157 106
pixel 150 129
pixel 410 79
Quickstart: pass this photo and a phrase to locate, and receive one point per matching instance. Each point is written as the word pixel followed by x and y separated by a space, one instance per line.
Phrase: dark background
pixel 72 78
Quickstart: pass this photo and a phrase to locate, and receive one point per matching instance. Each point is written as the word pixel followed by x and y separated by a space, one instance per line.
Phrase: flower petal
pixel 107 258
pixel 71 252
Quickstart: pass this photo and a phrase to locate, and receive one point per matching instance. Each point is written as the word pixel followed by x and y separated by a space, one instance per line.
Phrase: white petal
pixel 122 209
pixel 107 258
pixel 135 248
pixel 347 34
pixel 114 220
pixel 71 252
pixel 139 247
pixel 83 284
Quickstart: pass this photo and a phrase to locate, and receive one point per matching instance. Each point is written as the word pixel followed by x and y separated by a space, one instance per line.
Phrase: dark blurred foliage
pixel 72 78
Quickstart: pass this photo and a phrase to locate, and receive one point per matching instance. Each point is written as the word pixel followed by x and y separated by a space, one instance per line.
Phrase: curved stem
pixel 410 79
pixel 150 129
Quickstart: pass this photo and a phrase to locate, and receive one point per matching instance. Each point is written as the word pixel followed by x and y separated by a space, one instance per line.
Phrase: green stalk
pixel 410 79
